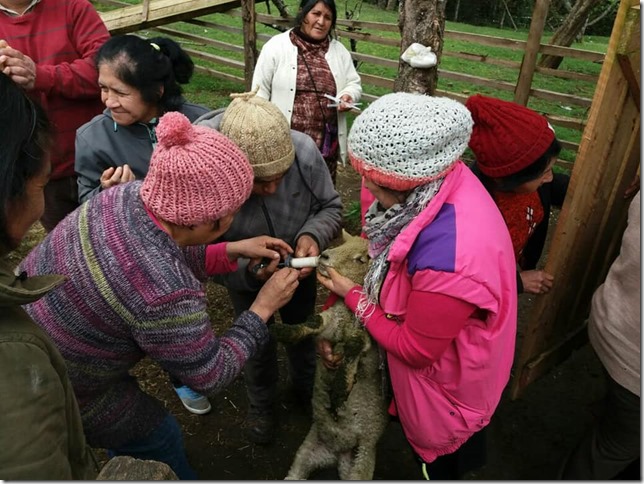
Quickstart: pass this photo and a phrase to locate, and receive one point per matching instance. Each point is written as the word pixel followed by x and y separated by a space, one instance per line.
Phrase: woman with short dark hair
pixel 42 435
pixel 140 80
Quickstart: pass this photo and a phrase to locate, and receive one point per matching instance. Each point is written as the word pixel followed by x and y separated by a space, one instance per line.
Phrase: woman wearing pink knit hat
pixel 440 295
pixel 515 150
pixel 136 257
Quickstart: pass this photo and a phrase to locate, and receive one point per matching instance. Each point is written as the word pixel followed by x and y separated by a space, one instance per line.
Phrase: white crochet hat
pixel 405 140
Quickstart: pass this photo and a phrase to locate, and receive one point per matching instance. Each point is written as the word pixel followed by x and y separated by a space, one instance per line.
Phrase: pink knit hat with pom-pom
pixel 196 174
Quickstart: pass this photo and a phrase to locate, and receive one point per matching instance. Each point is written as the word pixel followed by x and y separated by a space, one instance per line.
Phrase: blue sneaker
pixel 193 401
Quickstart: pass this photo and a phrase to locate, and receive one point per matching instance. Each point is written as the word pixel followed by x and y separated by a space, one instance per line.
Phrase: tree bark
pixel 568 31
pixel 421 21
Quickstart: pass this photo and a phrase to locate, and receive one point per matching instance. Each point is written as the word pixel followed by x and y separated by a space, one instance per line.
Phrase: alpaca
pixel 349 407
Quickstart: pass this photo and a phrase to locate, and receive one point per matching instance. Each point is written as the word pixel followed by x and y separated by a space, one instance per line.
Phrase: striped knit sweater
pixel 61 37
pixel 131 292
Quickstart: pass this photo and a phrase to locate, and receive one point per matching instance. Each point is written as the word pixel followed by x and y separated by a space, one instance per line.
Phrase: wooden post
pixel 529 62
pixel 593 217
pixel 250 41
pixel 145 10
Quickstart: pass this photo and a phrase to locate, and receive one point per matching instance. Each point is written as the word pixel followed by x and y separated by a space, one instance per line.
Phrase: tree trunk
pixel 568 31
pixel 421 21
pixel 392 4
pixel 458 5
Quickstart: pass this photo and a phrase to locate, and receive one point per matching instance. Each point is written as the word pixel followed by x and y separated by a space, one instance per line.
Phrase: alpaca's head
pixel 350 258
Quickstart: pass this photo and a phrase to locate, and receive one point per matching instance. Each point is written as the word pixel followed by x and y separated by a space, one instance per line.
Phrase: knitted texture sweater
pixel 131 292
pixel 61 37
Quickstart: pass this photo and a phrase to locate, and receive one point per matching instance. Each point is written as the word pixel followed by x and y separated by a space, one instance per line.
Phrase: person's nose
pixel 271 188
pixel 110 100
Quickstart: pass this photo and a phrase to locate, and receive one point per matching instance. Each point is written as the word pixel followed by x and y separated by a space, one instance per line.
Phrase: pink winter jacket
pixel 458 246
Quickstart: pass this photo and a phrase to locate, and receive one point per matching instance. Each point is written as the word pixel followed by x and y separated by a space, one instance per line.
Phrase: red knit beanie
pixel 196 174
pixel 507 137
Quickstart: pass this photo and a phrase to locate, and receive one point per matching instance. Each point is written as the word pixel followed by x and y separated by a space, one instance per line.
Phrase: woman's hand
pixel 330 360
pixel 336 282
pixel 536 282
pixel 345 102
pixel 115 176
pixel 306 247
pixel 277 291
pixel 19 67
pixel 258 248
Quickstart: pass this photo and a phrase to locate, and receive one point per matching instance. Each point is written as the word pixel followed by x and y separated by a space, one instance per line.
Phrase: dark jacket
pixel 42 435
pixel 103 144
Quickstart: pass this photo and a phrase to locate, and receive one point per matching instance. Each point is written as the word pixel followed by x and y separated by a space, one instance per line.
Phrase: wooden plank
pixel 587 55
pixel 378 61
pixel 476 80
pixel 563 74
pixel 128 19
pixel 561 97
pixel 531 53
pixel 201 40
pixel 220 75
pixel 628 53
pixel 215 26
pixel 367 37
pixel 377 81
pixel 222 61
pixel 361 24
pixel 145 10
pixel 487 40
pixel 566 122
pixel 250 41
pixel 592 214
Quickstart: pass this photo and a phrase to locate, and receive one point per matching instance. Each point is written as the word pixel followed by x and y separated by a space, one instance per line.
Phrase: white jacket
pixel 276 76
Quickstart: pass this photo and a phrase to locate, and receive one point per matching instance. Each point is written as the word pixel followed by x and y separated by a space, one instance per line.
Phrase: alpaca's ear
pixel 345 235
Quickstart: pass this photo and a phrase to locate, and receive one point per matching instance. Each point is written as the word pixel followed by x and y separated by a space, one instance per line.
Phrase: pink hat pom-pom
pixel 174 129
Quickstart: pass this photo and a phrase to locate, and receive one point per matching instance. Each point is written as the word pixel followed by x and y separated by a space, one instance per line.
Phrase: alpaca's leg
pixel 311 455
pixel 345 465
pixel 364 463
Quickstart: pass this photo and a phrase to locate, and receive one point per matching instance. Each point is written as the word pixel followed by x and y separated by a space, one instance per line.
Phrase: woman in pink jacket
pixel 440 295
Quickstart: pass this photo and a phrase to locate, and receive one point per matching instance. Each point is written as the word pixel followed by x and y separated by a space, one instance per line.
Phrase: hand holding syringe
pixel 337 102
pixel 289 261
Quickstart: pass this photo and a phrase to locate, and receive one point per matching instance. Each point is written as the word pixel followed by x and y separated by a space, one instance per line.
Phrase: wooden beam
pixel 250 41
pixel 529 62
pixel 593 214
pixel 628 53
pixel 129 19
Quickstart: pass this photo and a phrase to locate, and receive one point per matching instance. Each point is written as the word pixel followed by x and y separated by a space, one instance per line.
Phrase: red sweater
pixel 61 37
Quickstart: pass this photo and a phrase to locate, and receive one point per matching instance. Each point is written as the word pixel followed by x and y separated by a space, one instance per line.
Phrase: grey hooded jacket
pixel 102 144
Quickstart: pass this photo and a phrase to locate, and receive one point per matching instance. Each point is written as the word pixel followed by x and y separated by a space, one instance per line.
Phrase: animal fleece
pixel 349 404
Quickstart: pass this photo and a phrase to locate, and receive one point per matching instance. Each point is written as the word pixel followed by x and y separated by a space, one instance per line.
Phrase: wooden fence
pixel 216 43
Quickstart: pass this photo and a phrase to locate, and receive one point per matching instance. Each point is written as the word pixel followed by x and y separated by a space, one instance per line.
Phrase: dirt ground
pixel 527 437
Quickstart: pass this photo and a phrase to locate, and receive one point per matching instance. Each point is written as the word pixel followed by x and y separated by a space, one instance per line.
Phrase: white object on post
pixel 419 56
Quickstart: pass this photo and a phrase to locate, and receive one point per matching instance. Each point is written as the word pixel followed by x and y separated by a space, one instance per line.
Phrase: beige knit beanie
pixel 260 129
